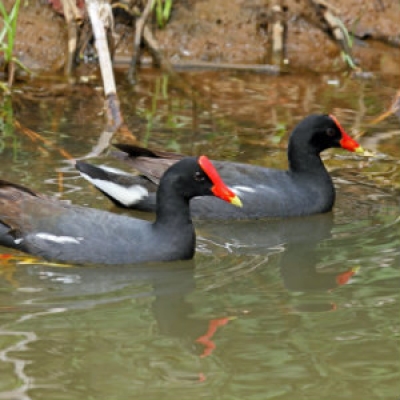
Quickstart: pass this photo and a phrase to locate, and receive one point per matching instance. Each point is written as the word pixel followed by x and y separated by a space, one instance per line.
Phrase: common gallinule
pixel 305 188
pixel 54 230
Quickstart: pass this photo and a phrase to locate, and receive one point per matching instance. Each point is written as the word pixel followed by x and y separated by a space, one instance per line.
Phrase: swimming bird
pixel 305 188
pixel 49 228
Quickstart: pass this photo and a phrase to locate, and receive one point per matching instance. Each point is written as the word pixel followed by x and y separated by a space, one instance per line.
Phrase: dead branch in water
pixel 100 17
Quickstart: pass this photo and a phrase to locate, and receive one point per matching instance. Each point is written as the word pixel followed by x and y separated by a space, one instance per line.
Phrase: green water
pixel 305 308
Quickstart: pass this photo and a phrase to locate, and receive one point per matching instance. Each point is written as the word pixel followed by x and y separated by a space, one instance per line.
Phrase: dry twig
pixel 394 109
pixel 140 25
pixel 72 16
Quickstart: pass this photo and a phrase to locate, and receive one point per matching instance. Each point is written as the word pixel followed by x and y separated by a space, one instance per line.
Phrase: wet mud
pixel 233 32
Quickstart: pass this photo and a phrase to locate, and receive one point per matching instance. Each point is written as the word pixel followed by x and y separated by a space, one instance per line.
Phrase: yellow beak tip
pixel 236 201
pixel 360 150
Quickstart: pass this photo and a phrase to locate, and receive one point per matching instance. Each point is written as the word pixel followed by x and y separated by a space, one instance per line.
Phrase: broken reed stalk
pixel 114 117
pixel 278 32
pixel 11 73
pixel 100 14
pixel 72 15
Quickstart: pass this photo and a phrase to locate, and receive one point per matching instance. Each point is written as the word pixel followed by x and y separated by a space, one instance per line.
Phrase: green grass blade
pixel 13 31
pixel 3 10
pixel 3 34
pixel 167 10
pixel 22 66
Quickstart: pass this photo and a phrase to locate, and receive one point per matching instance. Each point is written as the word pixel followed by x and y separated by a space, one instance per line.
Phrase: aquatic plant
pixel 7 40
pixel 163 11
pixel 8 138
pixel 348 42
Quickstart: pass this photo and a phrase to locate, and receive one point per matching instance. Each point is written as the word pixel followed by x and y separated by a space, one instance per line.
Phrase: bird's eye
pixel 330 132
pixel 198 176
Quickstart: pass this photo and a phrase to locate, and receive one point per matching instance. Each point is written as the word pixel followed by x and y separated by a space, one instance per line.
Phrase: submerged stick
pixel 218 66
pixel 194 65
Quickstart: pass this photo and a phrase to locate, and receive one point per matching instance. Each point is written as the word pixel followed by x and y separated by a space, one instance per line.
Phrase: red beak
pixel 347 142
pixel 219 189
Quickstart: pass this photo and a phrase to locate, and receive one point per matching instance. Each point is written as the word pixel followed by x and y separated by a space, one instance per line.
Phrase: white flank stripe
pixel 125 195
pixel 58 239
pixel 240 189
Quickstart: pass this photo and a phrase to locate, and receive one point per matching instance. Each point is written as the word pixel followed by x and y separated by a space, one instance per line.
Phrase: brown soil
pixel 229 31
pixel 41 40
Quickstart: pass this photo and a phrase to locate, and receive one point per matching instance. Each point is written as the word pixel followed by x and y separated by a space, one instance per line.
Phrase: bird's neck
pixel 172 210
pixel 173 224
pixel 305 160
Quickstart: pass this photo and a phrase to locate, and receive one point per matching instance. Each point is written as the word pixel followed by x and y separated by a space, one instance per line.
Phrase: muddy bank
pixel 235 31
pixel 230 31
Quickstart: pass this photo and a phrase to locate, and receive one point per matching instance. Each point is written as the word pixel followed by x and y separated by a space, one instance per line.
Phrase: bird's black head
pixel 318 132
pixel 196 176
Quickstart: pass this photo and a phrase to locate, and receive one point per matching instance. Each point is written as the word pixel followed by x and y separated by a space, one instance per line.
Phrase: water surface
pixel 304 308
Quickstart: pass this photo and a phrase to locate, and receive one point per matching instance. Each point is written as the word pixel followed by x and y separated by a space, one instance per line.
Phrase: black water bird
pixel 52 229
pixel 305 188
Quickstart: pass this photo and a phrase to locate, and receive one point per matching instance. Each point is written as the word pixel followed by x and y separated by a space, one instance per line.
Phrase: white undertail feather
pixel 127 196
